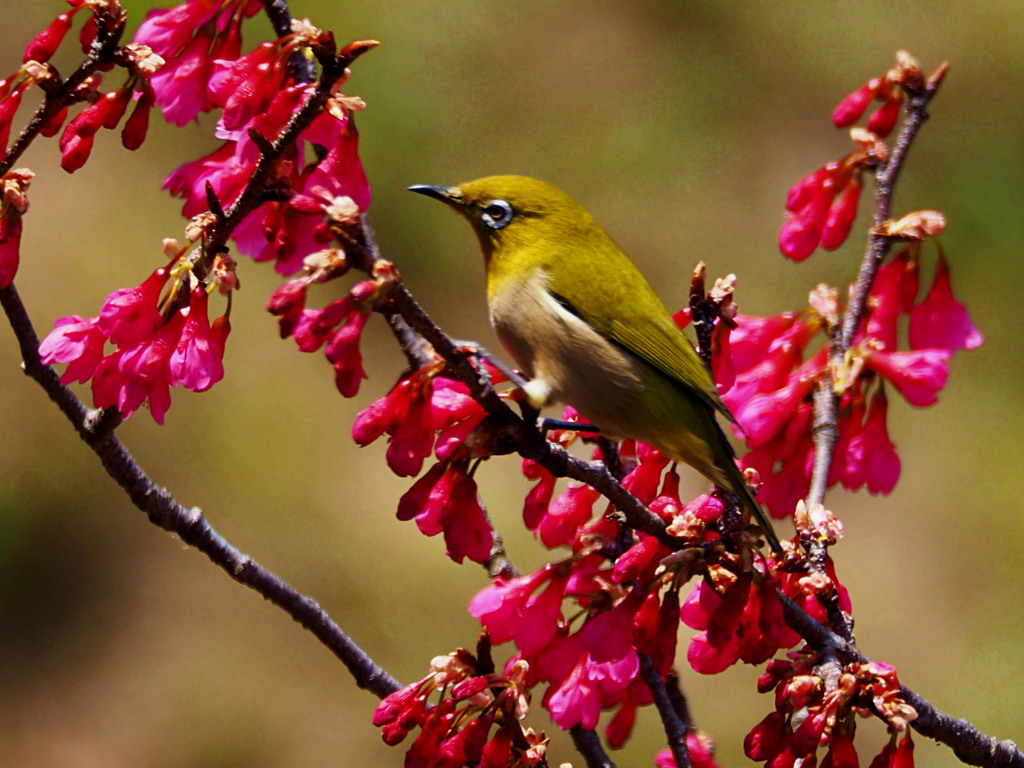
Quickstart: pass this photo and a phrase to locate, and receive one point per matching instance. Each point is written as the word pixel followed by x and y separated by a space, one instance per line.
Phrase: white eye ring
pixel 496 214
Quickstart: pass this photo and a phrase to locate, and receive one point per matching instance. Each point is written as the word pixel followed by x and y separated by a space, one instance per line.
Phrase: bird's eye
pixel 497 214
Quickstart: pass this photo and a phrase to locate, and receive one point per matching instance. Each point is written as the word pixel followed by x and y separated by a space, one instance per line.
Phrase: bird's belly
pixel 577 365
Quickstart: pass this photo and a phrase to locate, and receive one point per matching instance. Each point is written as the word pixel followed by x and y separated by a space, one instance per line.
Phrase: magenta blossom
pixel 821 208
pixel 940 321
pixel 197 362
pixel 191 37
pixel 76 341
pixel 919 374
pixel 445 500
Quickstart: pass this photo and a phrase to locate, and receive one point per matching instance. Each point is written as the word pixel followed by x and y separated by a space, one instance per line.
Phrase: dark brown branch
pixel 189 524
pixel 281 20
pixel 676 728
pixel 967 742
pixel 589 745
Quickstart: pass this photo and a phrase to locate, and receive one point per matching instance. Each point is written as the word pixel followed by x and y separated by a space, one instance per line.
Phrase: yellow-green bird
pixel 587 329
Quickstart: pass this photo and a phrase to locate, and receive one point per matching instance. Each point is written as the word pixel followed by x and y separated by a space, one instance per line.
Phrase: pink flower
pixel 849 110
pixel 413 437
pixel 131 376
pixel 8 107
pixel 445 500
pixel 764 361
pixel 498 751
pixel 385 414
pixel 807 211
pixel 872 447
pixel 75 150
pixel 500 605
pixel 77 342
pixel 130 315
pixel 222 169
pixel 574 701
pixel 753 337
pixel 45 44
pixel 904 757
pixel 189 43
pixel 340 325
pixel 137 124
pixel 636 560
pixel 405 706
pixel 455 414
pixel 767 739
pixel 644 480
pixel 841 215
pixel 404 413
pixel 540 618
pixel 244 87
pixel 343 352
pixel 197 362
pixel 764 415
pixel 13 205
pixel 940 321
pixel 538 500
pixel 820 209
pixel 918 374
pixel 841 752
pixel 883 120
pixel 287 303
pixel 77 140
pixel 892 294
pixel 608 637
pixel 792 452
pixel 744 623
pixel 884 759
pixel 572 509
pixel 10 250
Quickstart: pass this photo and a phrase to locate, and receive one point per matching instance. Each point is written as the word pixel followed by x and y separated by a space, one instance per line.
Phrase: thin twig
pixel 588 744
pixel 676 729
pixel 826 400
pixel 825 419
pixel 967 742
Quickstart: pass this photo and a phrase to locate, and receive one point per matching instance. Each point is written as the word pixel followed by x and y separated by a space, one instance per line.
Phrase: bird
pixel 586 328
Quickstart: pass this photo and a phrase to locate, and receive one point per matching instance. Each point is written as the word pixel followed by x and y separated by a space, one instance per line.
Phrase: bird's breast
pixel 554 346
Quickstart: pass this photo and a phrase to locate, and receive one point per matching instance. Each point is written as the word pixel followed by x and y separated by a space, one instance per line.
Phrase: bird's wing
pixel 664 345
pixel 658 340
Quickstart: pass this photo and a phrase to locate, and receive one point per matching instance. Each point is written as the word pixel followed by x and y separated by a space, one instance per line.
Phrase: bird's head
pixel 511 214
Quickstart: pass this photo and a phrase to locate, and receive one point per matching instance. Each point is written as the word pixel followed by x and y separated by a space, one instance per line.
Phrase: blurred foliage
pixel 680 125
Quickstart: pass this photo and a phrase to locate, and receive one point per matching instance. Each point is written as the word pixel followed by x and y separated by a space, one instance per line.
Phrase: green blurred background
pixel 680 126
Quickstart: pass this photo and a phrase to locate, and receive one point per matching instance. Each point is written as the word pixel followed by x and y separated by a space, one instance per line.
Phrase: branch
pixel 967 742
pixel 826 400
pixel 189 524
pixel 589 745
pixel 281 20
pixel 676 728
pixel 825 430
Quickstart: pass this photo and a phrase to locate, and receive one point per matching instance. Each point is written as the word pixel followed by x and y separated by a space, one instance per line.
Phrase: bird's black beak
pixel 449 195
